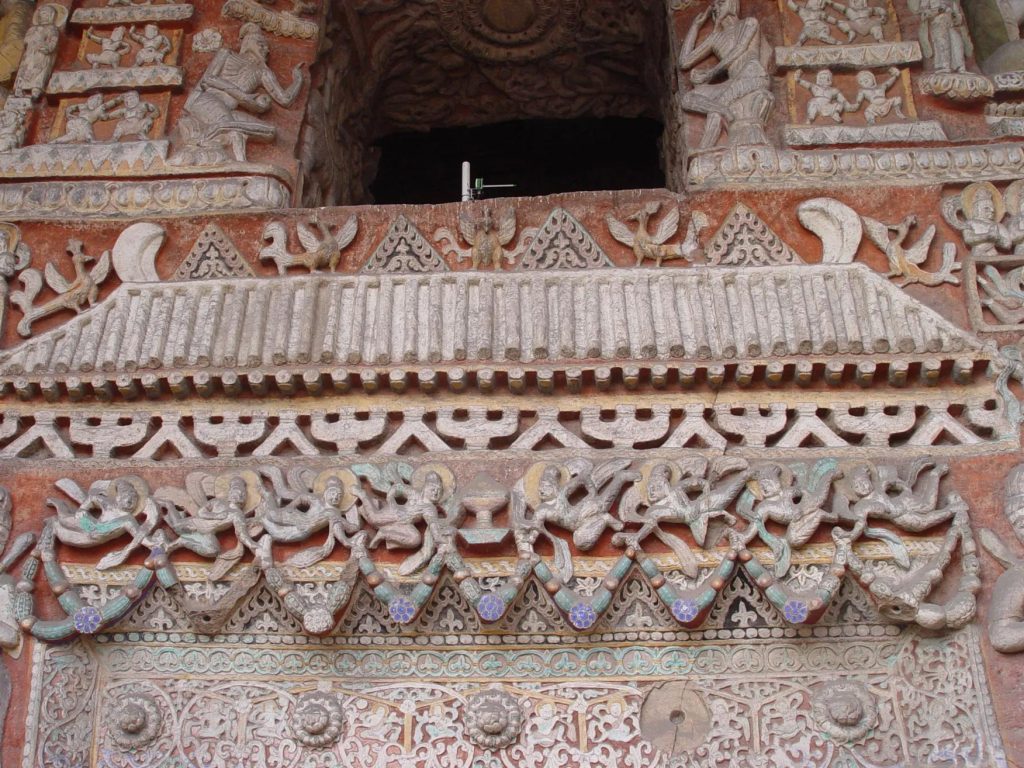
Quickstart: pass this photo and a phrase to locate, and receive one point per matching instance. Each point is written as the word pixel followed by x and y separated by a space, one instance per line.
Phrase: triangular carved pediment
pixel 563 243
pixel 405 249
pixel 212 256
pixel 744 240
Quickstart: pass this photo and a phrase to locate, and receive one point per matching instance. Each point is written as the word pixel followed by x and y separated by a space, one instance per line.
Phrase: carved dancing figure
pixel 112 48
pixel 682 493
pixel 826 100
pixel 816 20
pixel 943 33
pixel 79 119
pixel 790 497
pixel 134 116
pixel 862 19
pixel 874 93
pixel 219 110
pixel 735 94
pixel 40 51
pixel 154 46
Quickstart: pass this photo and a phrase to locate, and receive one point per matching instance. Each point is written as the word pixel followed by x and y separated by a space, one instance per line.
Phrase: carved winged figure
pixel 320 249
pixel 197 516
pixel 325 501
pixel 108 511
pixel 425 496
pixel 905 262
pixel 648 245
pixel 71 295
pixel 486 236
pixel 793 497
pixel 685 492
pixel 575 496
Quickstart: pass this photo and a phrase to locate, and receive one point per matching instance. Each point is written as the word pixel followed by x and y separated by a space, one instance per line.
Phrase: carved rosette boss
pixel 494 719
pixel 318 719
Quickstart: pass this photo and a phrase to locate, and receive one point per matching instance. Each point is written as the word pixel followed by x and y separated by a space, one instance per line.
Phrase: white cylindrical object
pixel 467 182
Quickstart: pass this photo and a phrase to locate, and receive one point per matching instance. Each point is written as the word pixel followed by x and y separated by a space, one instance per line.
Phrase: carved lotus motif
pixel 318 719
pixel 845 710
pixel 135 722
pixel 494 719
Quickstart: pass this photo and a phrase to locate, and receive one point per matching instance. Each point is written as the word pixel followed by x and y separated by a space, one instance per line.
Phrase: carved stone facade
pixel 727 473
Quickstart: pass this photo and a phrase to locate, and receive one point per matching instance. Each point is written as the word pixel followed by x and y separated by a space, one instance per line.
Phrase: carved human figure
pixel 872 96
pixel 943 33
pixel 153 46
pixel 14 257
pixel 40 52
pixel 79 119
pixel 826 100
pixel 816 20
pixel 219 110
pixel 112 48
pixel 134 116
pixel 862 19
pixel 735 94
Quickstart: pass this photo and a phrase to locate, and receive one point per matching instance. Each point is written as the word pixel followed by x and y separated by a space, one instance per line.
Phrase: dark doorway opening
pixel 541 157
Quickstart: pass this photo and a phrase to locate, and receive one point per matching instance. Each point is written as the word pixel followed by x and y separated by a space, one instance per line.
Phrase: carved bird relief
pixel 904 263
pixel 648 245
pixel 320 249
pixel 487 238
pixel 73 295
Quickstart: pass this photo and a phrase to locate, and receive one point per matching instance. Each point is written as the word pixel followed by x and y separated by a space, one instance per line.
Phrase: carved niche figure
pixel 862 19
pixel 40 51
pixel 218 119
pixel 14 24
pixel 826 100
pixel 1006 609
pixel 134 116
pixel 112 48
pixel 79 119
pixel 816 20
pixel 735 94
pixel 872 95
pixel 978 213
pixel 153 45
pixel 943 32
pixel 13 123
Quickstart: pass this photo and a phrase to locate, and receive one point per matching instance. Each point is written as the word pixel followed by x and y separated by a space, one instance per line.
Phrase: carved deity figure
pixel 134 116
pixel 816 20
pixel 14 257
pixel 943 32
pixel 872 95
pixel 112 48
pixel 40 51
pixel 332 508
pixel 826 100
pixel 153 45
pixel 14 24
pixel 983 231
pixel 735 94
pixel 218 119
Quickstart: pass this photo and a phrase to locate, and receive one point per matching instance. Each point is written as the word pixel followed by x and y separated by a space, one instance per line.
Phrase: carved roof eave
pixel 635 326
